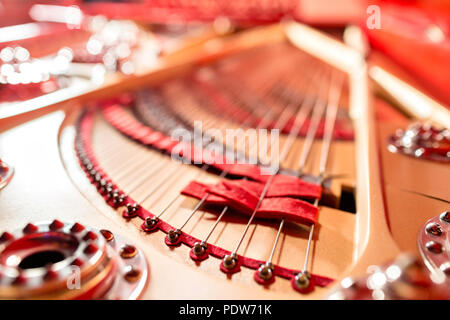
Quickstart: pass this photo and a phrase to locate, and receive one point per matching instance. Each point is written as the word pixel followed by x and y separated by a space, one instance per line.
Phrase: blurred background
pixel 412 34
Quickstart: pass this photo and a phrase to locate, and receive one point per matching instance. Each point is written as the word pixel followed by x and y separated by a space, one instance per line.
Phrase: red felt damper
pixel 282 186
pixel 198 190
pixel 245 201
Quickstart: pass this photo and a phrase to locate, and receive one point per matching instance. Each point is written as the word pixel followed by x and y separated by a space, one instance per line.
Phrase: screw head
pixel 434 229
pixel 434 247
pixel 108 235
pixel 445 216
pixel 132 275
pixel 445 268
pixel 128 251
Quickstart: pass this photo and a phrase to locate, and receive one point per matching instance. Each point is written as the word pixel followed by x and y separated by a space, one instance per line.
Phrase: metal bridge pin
pixel 173 235
pixel 302 280
pixel 131 209
pixel 434 229
pixel 265 271
pixel 229 261
pixel 151 222
pixel 107 190
pixel 118 198
pixel 199 248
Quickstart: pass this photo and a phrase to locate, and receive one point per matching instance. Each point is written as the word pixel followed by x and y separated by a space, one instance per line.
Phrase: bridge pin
pixel 229 261
pixel 199 248
pixel 302 280
pixel 265 271
pixel 173 235
pixel 151 222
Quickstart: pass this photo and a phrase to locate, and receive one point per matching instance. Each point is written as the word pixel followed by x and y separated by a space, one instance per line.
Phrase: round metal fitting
pixel 433 241
pixel 60 260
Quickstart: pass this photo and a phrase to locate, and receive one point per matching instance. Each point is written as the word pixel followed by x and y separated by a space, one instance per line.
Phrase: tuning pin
pixel 128 251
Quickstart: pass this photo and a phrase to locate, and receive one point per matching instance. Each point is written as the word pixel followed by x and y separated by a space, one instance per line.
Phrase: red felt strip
pixel 198 190
pixel 283 186
pixel 228 193
pixel 239 198
pixel 294 210
pixel 245 200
